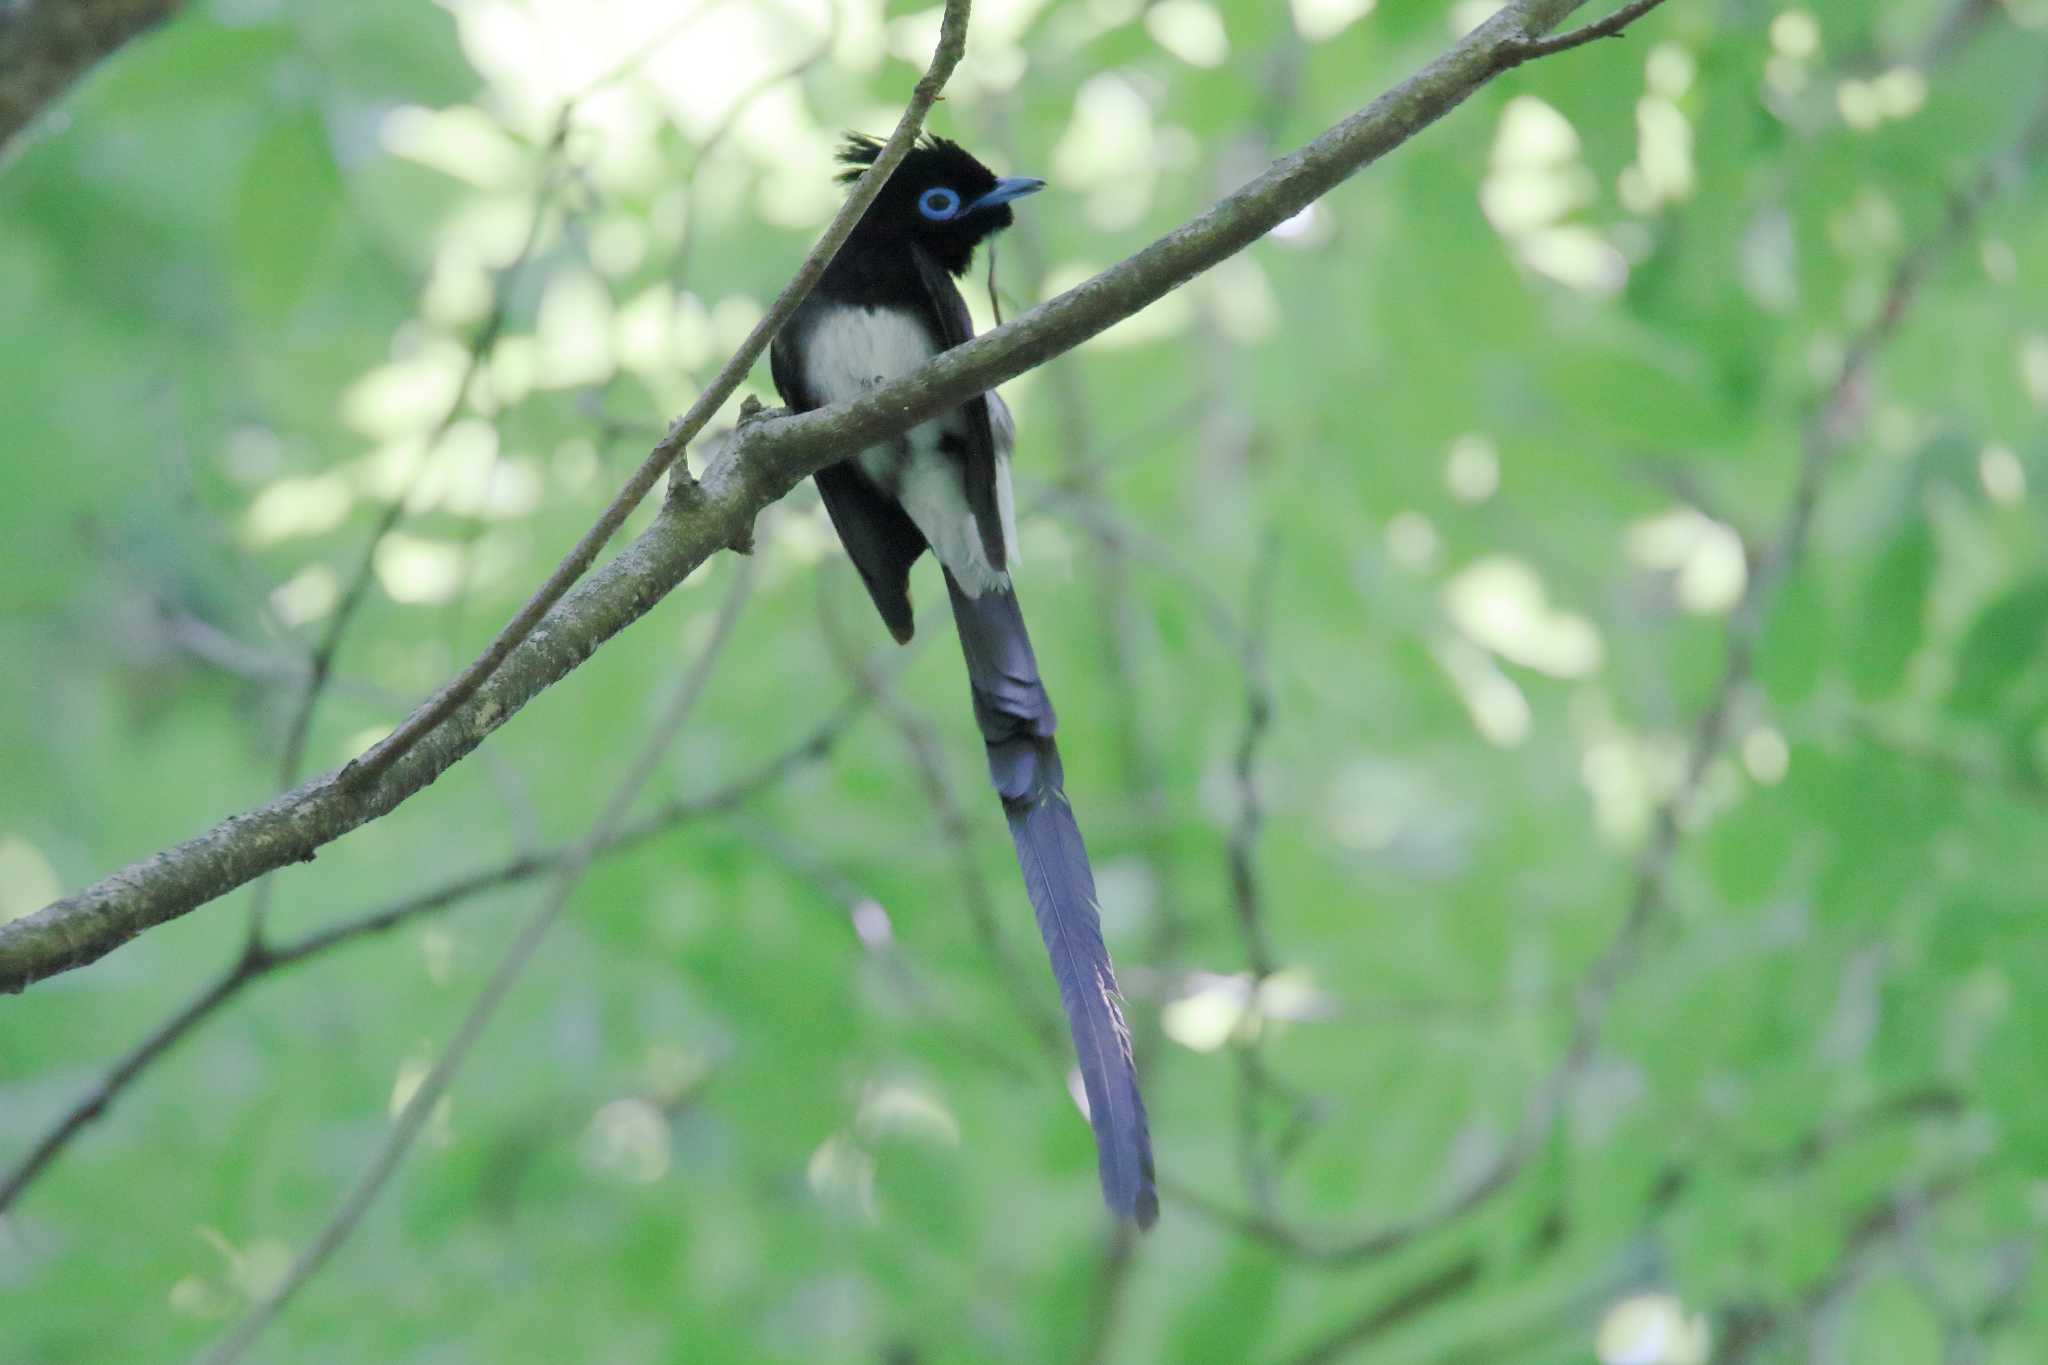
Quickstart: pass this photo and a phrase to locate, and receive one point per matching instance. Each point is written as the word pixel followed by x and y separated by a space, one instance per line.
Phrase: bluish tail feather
pixel 1016 720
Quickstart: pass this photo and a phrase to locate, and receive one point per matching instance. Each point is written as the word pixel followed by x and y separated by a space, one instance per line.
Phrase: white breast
pixel 851 350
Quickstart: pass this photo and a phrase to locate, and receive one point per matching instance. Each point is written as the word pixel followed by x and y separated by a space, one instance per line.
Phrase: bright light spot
pixel 462 142
pixel 437 952
pixel 1535 182
pixel 1900 92
pixel 1412 542
pixel 458 289
pixel 1796 34
pixel 1306 228
pixel 1498 709
pixel 195 1296
pixel 618 244
pixel 1472 469
pixel 1859 105
pixel 1321 20
pixel 291 508
pixel 1708 558
pixel 1663 153
pixel 1291 994
pixel 2000 471
pixel 1576 257
pixel 407 396
pixel 412 1074
pixel 27 881
pixel 307 595
pixel 1501 603
pixel 2034 368
pixel 1210 1013
pixel 574 328
pixel 871 926
pixel 1190 30
pixel 1785 76
pixel 644 325
pixel 842 1172
pixel 1112 150
pixel 1467 15
pixel 1651 1329
pixel 1243 303
pixel 416 571
pixel 1670 70
pixel 1765 755
pixel 628 1139
pixel 896 1108
pixel 1533 133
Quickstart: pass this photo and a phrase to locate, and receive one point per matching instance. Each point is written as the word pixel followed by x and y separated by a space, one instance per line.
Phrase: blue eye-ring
pixel 938 204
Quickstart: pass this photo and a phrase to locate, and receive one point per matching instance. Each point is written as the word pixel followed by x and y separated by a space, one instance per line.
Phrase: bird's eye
pixel 938 204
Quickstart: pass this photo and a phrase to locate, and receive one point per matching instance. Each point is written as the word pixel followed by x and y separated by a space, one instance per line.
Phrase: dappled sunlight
pixel 1706 559
pixel 1501 603
pixel 1652 1329
pixel 1545 642
pixel 1537 180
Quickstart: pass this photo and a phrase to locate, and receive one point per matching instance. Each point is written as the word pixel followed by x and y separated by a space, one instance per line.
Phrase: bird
pixel 885 305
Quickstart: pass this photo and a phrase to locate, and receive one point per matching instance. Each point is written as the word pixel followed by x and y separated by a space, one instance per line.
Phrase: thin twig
pixel 1833 422
pixel 1382 1318
pixel 320 664
pixel 928 757
pixel 412 1118
pixel 764 462
pixel 1610 27
pixel 252 967
pixel 952 43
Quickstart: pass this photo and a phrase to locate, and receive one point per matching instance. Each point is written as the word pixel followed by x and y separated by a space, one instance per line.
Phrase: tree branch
pixel 257 963
pixel 1832 424
pixel 1610 27
pixel 951 45
pixel 45 45
pixel 419 1107
pixel 764 461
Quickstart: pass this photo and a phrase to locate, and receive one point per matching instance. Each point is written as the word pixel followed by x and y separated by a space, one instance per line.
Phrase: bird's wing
pixel 978 464
pixel 879 537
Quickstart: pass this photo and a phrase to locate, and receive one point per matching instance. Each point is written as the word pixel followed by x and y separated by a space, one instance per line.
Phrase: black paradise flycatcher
pixel 885 306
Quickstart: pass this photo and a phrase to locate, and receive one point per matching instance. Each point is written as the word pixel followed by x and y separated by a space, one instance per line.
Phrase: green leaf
pixel 2001 647
pixel 286 215
pixel 1892 613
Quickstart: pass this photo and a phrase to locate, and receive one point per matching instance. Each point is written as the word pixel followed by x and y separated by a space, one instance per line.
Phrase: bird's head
pixel 940 197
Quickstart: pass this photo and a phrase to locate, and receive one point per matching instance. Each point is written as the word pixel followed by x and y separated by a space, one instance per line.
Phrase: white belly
pixel 849 351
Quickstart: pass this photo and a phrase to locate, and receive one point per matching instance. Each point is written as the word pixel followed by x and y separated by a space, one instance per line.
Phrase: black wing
pixel 879 536
pixel 978 466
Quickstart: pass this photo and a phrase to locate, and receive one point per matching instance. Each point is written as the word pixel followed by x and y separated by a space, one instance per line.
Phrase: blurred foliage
pixel 1508 409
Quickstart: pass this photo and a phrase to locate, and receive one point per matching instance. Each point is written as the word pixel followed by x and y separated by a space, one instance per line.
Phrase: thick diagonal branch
pixel 45 45
pixel 765 461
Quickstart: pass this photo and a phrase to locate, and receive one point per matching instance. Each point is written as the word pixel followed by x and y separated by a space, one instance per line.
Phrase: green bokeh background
pixel 1494 504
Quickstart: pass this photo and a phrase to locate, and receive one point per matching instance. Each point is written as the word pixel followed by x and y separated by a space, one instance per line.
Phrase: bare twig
pixel 254 966
pixel 1382 1318
pixel 1753 1326
pixel 412 1118
pixel 320 663
pixel 928 757
pixel 764 462
pixel 1610 27
pixel 1833 422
